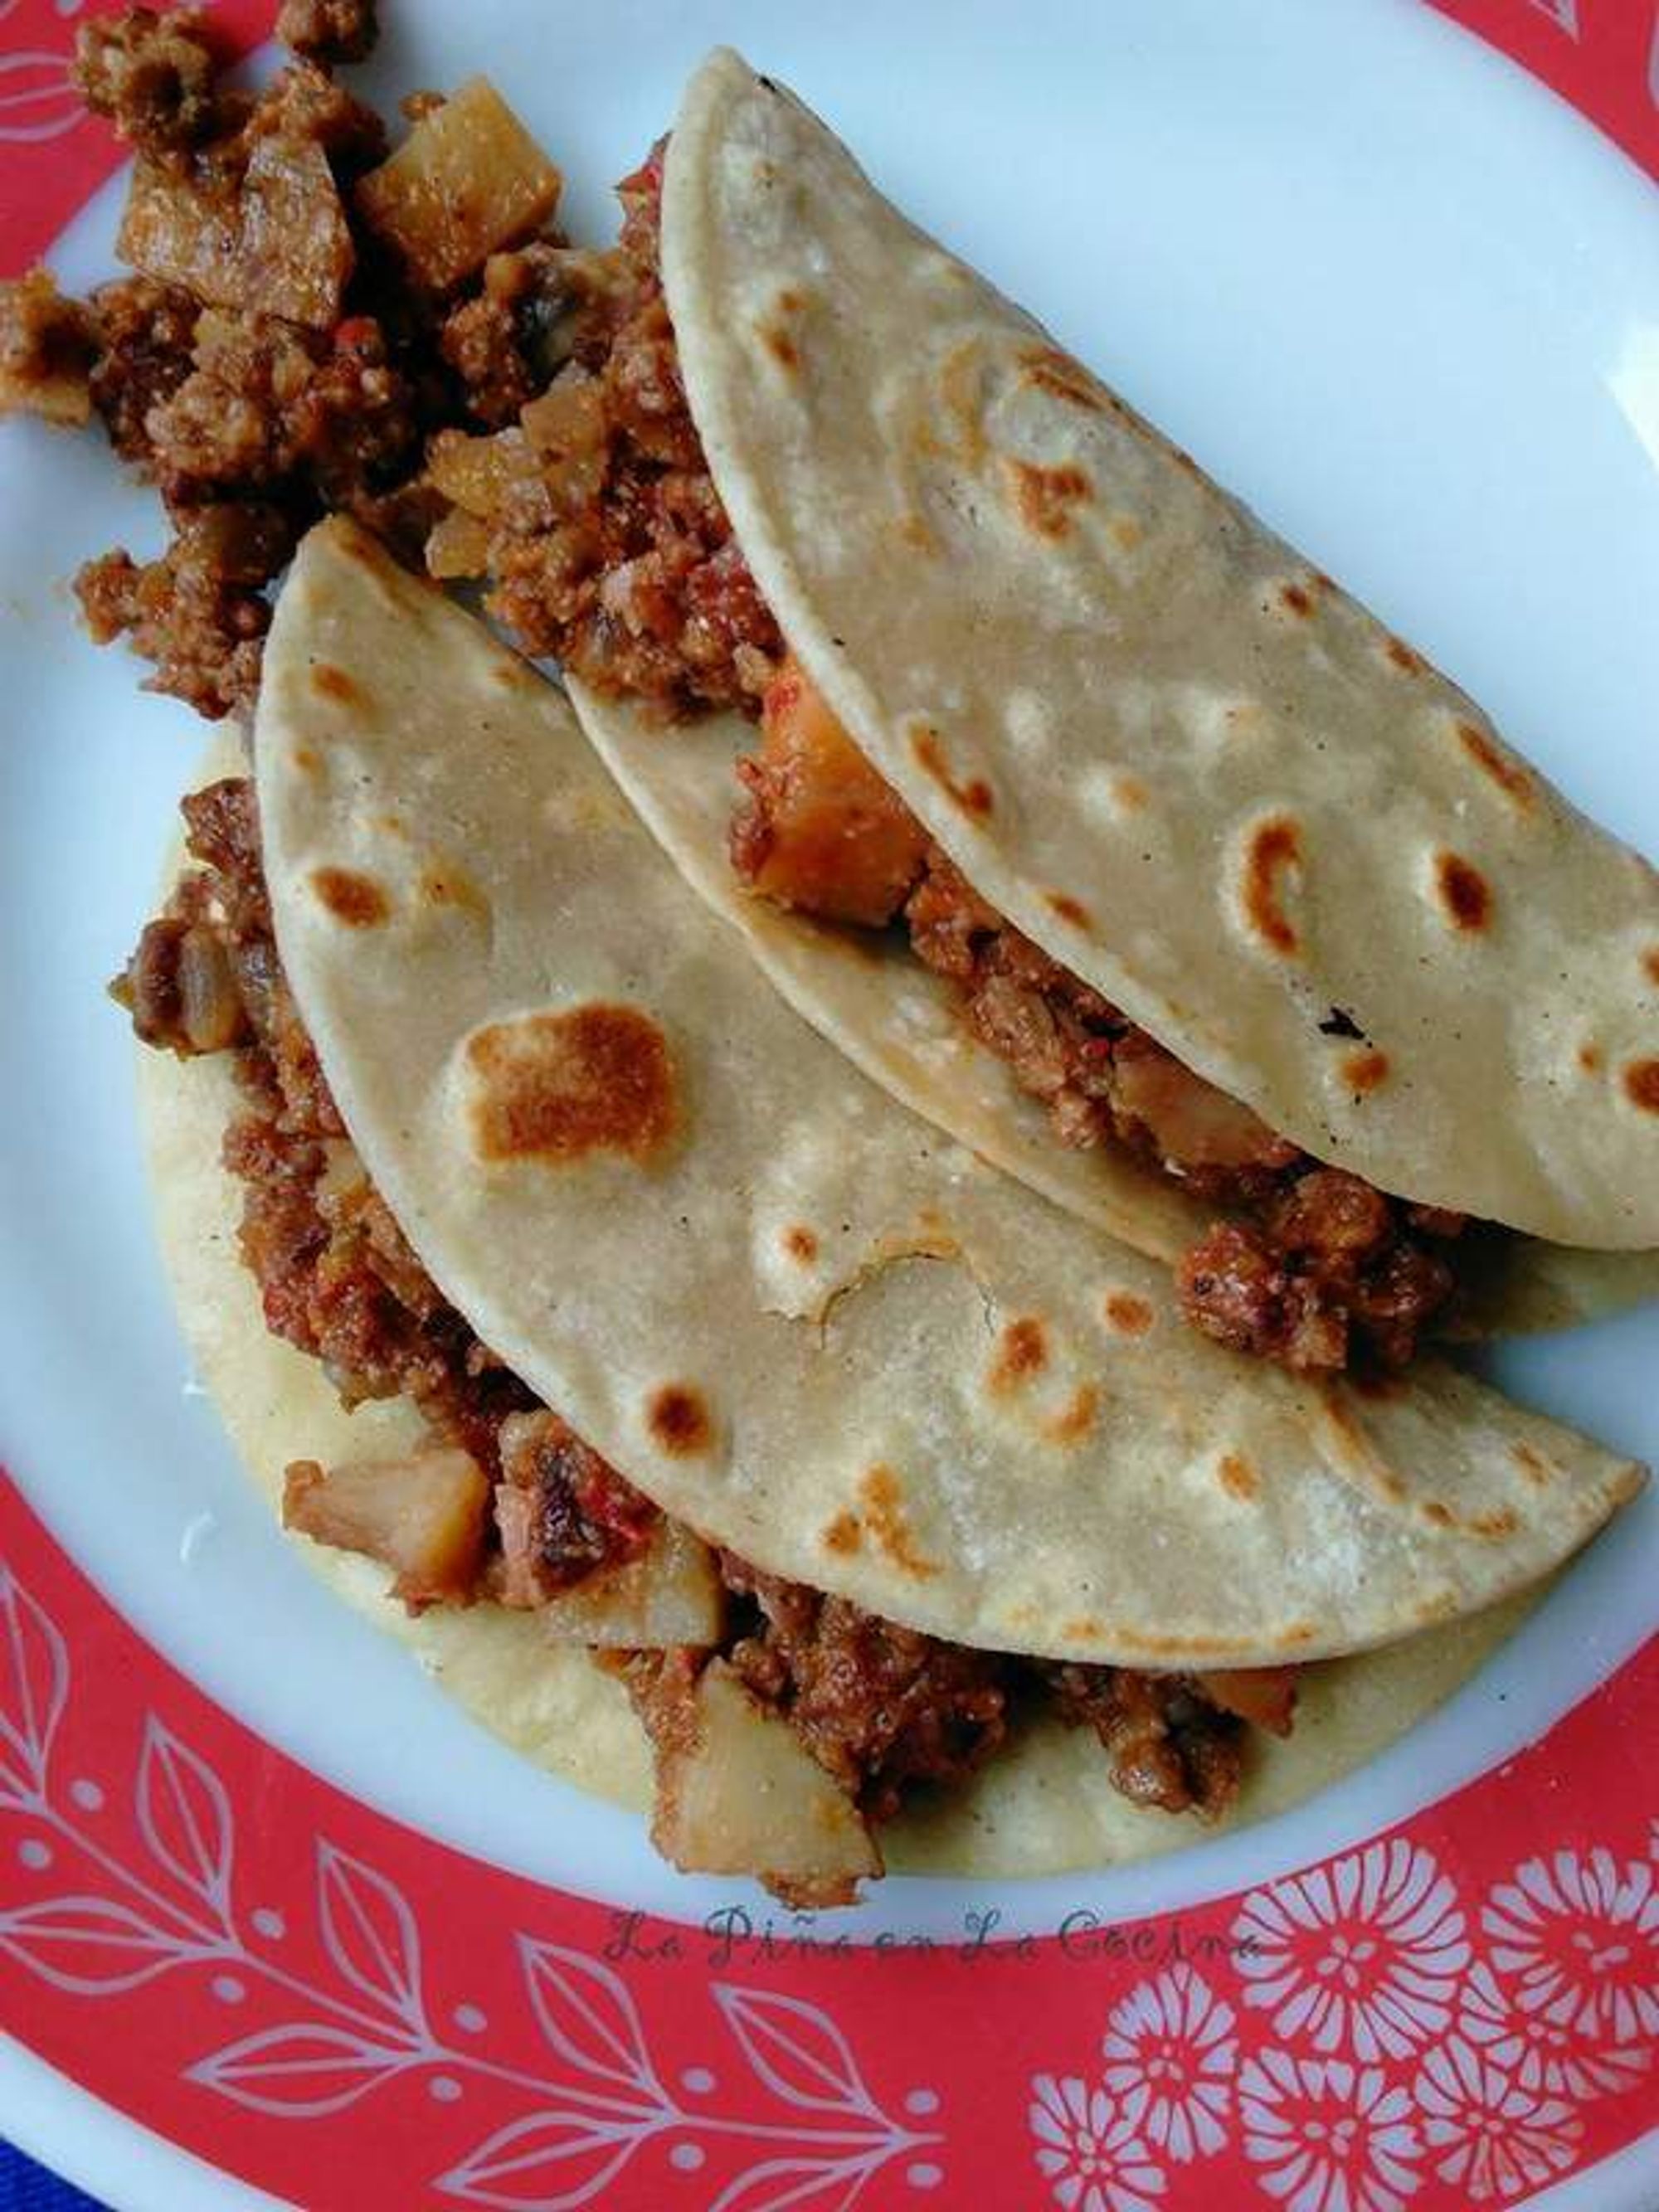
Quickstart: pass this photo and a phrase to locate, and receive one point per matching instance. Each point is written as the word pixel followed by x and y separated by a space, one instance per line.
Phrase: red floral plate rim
pixel 1438 2016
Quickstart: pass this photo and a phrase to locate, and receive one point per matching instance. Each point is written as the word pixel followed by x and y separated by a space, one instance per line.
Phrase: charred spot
pixel 1293 596
pixel 800 1243
pixel 1441 1515
pixel 1532 1464
pixel 331 683
pixel 1339 1023
pixel 356 900
pixel 1500 1522
pixel 1591 1058
pixel 1069 909
pixel 843 1534
pixel 1404 658
pixel 1076 1418
pixel 556 1086
pixel 1641 1084
pixel 885 1523
pixel 1238 1477
pixel 1651 964
pixel 305 760
pixel 1129 1315
pixel 1464 891
pixel 1022 1353
pixel 1046 496
pixel 1051 370
pixel 679 1420
pixel 1365 1070
pixel 974 798
pixel 1274 852
pixel 1515 781
pixel 781 346
pixel 1130 794
pixel 790 302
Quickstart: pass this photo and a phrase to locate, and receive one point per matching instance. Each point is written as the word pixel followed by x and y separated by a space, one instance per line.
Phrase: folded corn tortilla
pixel 774 1299
pixel 1045 1804
pixel 1184 762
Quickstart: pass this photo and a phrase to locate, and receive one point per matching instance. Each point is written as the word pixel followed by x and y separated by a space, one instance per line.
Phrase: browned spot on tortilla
pixel 1464 891
pixel 973 797
pixel 1501 1523
pixel 1275 851
pixel 1410 663
pixel 510 675
pixel 679 1420
pixel 1440 1514
pixel 1296 599
pixel 446 885
pixel 332 683
pixel 356 900
pixel 1129 1315
pixel 1069 909
pixel 1532 1464
pixel 1076 1418
pixel 556 1086
pixel 1183 460
pixel 790 302
pixel 1130 794
pixel 959 388
pixel 843 1534
pixel 305 760
pixel 1364 1071
pixel 1045 497
pixel 1356 1438
pixel 1511 777
pixel 781 346
pixel 1023 1352
pixel 1051 370
pixel 1238 1477
pixel 915 533
pixel 801 1244
pixel 1641 1084
pixel 885 1523
pixel 1128 532
pixel 1085 1630
pixel 393 825
pixel 1650 964
pixel 1320 581
pixel 1590 1057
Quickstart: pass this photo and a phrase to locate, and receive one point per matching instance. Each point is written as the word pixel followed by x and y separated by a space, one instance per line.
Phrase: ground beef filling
pixel 883 1709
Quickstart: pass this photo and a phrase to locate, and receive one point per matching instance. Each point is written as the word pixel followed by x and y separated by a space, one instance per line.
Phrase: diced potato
pixel 459 545
pixel 469 179
pixel 478 473
pixel 281 246
pixel 424 1516
pixel 670 1593
pixel 1265 1695
pixel 738 1792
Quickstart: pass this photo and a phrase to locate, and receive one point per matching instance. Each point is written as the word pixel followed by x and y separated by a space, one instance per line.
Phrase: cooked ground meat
pixel 47 347
pixel 1171 1747
pixel 328 31
pixel 880 1707
pixel 145 334
pixel 154 76
pixel 199 612
pixel 561 1510
pixel 605 540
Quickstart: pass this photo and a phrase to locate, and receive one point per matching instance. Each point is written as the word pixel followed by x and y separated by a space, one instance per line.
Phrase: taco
pixel 872 1477
pixel 1085 815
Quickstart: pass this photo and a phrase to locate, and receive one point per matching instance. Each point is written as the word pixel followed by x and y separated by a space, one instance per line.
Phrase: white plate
pixel 1378 282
